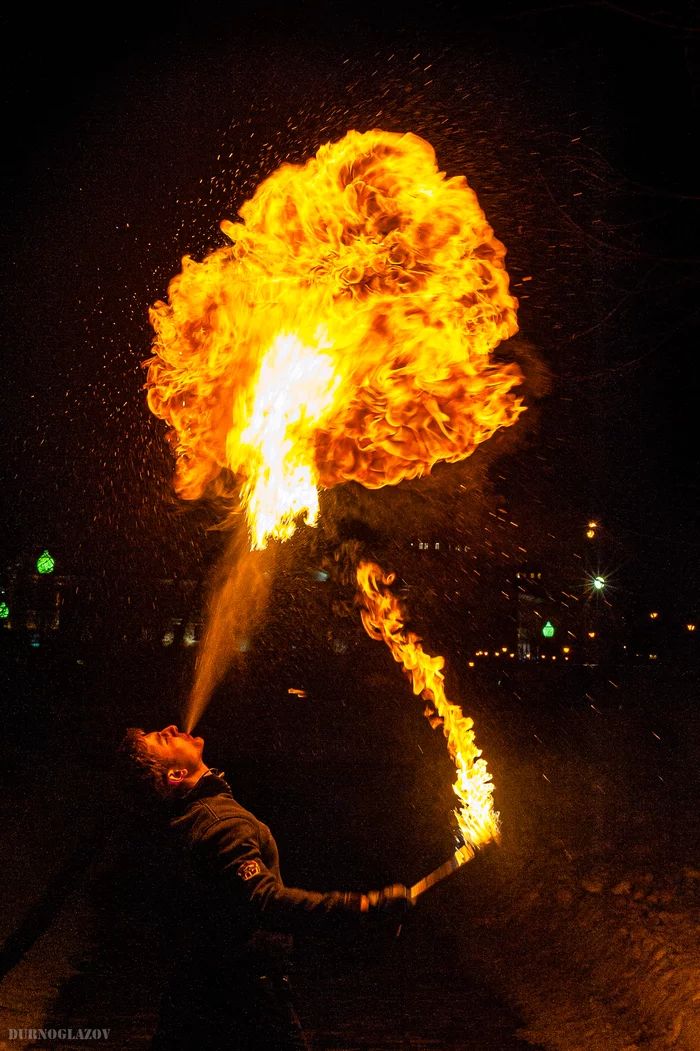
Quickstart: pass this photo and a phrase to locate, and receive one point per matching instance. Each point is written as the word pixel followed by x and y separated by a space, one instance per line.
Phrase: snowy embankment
pixel 589 916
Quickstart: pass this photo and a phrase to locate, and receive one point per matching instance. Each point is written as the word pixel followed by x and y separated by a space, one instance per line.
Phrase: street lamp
pixel 598 583
pixel 45 563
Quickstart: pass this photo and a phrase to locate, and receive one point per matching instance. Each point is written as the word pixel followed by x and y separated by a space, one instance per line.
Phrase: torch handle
pixel 459 858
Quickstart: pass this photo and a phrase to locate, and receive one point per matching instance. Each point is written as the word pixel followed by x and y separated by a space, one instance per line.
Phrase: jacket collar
pixel 211 784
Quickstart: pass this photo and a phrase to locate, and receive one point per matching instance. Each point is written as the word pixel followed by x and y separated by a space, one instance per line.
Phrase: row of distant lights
pixel 654 615
pixel 504 650
pixel 542 656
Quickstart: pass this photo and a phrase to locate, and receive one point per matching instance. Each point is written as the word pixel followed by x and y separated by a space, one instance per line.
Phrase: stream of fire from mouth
pixel 237 601
pixel 346 333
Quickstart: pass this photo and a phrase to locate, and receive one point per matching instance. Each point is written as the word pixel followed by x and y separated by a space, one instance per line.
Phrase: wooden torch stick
pixel 459 858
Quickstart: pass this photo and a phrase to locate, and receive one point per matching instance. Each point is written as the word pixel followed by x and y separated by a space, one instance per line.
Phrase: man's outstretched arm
pixel 230 847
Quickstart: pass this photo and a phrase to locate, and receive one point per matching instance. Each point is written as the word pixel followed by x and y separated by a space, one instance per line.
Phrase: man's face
pixel 180 750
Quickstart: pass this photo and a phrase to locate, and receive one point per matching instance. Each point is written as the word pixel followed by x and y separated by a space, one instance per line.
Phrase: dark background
pixel 131 132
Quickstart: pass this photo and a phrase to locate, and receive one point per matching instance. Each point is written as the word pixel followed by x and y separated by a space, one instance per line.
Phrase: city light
pixel 688 627
pixel 653 615
pixel 4 611
pixel 590 533
pixel 596 582
pixel 592 525
pixel 591 634
pixel 548 630
pixel 45 563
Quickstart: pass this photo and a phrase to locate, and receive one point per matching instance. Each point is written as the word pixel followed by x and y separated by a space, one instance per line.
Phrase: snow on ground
pixel 588 918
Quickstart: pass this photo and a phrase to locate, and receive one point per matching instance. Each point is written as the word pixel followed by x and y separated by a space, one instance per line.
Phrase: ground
pixel 578 934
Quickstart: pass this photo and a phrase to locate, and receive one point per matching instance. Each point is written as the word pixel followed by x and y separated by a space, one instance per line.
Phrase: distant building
pixel 540 620
pixel 41 605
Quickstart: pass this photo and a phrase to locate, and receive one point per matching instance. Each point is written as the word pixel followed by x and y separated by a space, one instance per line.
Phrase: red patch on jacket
pixel 249 869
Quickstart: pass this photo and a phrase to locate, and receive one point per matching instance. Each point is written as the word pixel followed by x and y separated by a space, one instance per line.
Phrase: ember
pixel 383 620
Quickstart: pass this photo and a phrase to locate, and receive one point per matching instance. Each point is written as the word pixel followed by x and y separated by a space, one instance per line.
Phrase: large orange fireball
pixel 345 334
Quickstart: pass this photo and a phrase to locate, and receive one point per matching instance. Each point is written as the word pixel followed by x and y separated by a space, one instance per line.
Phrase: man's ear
pixel 176 777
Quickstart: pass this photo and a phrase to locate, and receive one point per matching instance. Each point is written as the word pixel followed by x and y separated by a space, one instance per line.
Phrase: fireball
pixel 346 333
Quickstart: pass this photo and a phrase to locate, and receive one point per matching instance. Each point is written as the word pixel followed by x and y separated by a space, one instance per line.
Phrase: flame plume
pixel 345 333
pixel 383 620
pixel 235 608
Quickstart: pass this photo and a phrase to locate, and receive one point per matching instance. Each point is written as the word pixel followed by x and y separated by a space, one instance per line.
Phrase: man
pixel 229 989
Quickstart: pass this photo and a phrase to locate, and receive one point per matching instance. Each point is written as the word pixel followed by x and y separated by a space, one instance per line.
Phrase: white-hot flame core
pixel 294 392
pixel 345 333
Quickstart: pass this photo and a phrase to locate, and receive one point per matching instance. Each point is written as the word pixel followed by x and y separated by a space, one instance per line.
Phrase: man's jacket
pixel 232 876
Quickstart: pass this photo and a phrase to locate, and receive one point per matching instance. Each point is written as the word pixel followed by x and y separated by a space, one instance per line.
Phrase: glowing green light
pixel 548 630
pixel 4 611
pixel 599 583
pixel 45 563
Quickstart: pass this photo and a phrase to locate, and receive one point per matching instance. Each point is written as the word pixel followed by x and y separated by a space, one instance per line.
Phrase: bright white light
pixel 599 583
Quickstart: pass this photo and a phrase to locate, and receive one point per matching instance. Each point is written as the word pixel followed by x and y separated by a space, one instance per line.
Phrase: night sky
pixel 129 138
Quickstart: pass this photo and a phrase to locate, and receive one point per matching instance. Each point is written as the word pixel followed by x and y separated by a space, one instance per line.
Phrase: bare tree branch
pixel 645 18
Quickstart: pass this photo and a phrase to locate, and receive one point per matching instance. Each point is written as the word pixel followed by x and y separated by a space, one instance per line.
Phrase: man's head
pixel 168 761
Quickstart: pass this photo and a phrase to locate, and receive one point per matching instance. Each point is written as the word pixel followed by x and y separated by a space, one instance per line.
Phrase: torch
pixel 383 619
pixel 460 857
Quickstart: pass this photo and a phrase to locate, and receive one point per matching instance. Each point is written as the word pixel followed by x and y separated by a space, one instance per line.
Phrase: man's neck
pixel 194 778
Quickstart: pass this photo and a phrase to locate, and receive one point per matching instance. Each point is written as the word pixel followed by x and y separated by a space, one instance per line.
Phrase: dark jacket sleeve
pixel 229 847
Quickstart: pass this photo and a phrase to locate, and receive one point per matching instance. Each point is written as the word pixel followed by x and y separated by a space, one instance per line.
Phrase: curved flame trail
pixel 345 333
pixel 383 620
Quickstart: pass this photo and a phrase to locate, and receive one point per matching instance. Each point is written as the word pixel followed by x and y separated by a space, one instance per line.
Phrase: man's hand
pixel 395 900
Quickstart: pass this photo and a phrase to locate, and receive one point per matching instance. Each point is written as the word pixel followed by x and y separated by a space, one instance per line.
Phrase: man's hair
pixel 142 769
